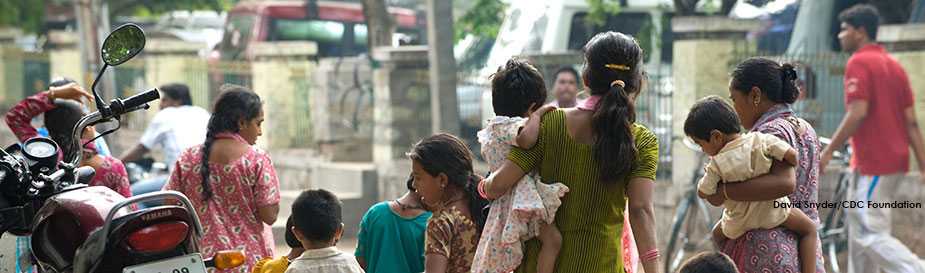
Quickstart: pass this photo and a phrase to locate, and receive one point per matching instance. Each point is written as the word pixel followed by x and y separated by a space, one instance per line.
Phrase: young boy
pixel 709 262
pixel 317 218
pixel 737 157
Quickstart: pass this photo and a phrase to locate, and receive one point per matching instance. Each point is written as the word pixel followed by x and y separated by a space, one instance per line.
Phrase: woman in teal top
pixel 391 237
pixel 605 159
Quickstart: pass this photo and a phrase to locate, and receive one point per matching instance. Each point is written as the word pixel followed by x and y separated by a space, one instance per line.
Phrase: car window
pixel 332 37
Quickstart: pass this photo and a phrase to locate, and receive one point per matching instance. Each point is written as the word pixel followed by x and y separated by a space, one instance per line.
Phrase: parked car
pixel 198 26
pixel 337 27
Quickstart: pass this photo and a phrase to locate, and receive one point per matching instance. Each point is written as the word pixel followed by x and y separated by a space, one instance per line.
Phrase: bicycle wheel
pixel 834 235
pixel 690 232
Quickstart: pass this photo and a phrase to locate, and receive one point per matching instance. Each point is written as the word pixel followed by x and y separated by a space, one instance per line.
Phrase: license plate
pixel 184 264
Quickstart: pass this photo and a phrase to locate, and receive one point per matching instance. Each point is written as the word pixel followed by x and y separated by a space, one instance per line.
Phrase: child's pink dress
pixel 518 215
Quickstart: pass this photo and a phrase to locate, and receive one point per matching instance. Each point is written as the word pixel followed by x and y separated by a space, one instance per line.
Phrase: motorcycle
pixel 83 229
pixel 144 169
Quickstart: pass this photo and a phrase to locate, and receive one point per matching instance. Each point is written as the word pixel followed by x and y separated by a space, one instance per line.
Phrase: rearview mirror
pixel 123 44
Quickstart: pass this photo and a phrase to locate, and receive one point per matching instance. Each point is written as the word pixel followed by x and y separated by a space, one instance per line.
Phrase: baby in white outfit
pixel 738 157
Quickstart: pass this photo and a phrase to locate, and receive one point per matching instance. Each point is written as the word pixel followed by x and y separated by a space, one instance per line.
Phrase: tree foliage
pixel 598 10
pixel 483 20
pixel 29 15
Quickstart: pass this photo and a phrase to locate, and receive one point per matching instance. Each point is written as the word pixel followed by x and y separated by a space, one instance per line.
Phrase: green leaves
pixel 483 20
pixel 599 9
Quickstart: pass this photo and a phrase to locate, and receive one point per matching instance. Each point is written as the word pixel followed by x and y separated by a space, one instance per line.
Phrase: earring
pixel 757 101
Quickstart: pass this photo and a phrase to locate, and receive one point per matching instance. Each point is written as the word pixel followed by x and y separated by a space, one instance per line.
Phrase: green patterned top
pixel 591 216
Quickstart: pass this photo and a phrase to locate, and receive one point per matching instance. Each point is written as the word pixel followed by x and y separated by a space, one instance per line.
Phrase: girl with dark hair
pixel 762 91
pixel 604 158
pixel 62 109
pixel 231 183
pixel 443 176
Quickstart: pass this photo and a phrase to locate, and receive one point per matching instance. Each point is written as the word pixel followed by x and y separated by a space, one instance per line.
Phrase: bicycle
pixel 833 235
pixel 691 229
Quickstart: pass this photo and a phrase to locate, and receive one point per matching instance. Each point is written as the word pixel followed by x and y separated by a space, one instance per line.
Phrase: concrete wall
pixel 342 109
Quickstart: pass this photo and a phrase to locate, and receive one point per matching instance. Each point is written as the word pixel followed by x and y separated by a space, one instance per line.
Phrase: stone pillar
pixel 172 61
pixel 703 54
pixel 11 67
pixel 281 71
pixel 342 109
pixel 64 57
pixel 907 44
pixel 402 113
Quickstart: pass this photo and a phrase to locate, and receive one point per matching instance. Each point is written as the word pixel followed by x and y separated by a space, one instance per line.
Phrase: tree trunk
pixel 444 105
pixel 379 23
pixel 810 34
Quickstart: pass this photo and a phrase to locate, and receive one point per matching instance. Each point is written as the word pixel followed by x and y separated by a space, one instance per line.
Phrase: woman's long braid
pixel 235 105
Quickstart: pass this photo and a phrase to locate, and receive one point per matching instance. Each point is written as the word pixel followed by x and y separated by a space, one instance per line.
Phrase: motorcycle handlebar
pixel 135 102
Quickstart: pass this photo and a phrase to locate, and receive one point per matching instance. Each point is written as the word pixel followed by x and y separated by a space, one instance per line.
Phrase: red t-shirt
pixel 881 144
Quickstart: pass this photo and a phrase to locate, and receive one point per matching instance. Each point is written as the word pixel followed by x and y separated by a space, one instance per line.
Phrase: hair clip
pixel 617 67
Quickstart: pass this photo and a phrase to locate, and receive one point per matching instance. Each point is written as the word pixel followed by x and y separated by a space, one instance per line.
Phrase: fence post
pixel 402 112
pixel 280 70
pixel 11 68
pixel 64 57
pixel 172 61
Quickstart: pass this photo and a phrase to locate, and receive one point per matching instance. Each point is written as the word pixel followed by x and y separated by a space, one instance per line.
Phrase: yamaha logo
pixel 156 215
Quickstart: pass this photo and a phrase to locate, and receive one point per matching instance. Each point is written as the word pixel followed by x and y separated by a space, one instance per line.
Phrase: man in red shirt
pixel 880 121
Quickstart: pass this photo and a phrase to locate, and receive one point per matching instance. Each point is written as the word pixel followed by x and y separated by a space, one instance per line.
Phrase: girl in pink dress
pixel 240 200
pixel 62 109
pixel 528 210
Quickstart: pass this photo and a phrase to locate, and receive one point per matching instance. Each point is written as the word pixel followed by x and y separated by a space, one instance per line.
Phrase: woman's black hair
pixel 609 57
pixel 234 105
pixel 777 82
pixel 60 121
pixel 447 154
pixel 515 87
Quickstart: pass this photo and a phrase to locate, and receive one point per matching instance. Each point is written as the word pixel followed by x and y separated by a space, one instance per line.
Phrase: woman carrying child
pixel 762 91
pixel 737 157
pixel 604 158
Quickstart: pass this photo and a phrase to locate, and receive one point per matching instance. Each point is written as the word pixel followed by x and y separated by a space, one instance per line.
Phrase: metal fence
pixel 654 110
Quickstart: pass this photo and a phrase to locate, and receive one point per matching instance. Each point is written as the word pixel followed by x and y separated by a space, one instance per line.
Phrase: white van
pixel 561 26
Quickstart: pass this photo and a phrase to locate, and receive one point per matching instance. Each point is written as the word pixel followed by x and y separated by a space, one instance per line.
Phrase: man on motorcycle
pixel 177 126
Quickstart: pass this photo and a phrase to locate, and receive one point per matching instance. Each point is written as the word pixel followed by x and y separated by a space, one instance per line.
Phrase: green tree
pixel 598 10
pixel 482 20
pixel 29 15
